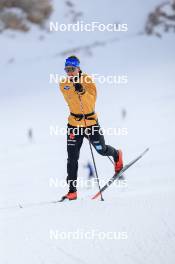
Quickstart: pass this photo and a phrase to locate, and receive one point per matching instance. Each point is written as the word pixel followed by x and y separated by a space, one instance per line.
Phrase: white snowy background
pixel 144 209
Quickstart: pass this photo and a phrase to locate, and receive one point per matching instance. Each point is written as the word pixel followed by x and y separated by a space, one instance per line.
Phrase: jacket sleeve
pixel 61 86
pixel 90 88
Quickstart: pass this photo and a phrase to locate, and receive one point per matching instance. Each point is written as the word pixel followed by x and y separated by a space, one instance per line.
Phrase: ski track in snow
pixel 150 233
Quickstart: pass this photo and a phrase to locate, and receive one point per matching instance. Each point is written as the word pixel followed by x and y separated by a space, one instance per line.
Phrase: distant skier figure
pixel 30 134
pixel 123 113
pixel 79 91
pixel 91 174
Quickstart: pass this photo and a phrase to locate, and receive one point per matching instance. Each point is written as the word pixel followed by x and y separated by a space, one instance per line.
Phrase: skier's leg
pixel 98 141
pixel 74 143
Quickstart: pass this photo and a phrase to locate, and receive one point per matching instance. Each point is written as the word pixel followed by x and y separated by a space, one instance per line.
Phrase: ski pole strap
pixel 79 117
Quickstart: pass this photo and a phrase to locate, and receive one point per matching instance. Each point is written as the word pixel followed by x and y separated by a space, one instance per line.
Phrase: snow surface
pixel 144 208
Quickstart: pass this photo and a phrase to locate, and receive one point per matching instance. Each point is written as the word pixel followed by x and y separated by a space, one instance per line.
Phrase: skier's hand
pixel 78 88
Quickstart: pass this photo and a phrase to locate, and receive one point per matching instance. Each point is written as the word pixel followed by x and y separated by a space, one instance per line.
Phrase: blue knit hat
pixel 72 61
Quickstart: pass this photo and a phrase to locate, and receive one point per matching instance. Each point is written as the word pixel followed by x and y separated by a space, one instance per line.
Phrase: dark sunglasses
pixel 70 69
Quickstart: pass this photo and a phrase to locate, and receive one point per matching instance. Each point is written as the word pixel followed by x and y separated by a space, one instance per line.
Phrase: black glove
pixel 78 87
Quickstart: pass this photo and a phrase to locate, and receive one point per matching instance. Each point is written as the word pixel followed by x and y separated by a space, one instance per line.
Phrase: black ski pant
pixel 75 136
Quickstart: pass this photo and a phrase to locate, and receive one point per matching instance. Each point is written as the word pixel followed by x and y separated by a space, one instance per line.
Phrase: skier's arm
pixel 61 86
pixel 88 88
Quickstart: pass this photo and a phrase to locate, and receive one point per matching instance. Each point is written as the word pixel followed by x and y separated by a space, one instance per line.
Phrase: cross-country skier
pixel 91 174
pixel 80 93
pixel 30 134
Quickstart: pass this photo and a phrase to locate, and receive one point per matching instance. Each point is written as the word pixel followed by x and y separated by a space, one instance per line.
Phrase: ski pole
pixel 111 160
pixel 92 154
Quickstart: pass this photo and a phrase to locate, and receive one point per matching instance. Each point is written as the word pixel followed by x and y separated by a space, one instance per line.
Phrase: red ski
pixel 118 175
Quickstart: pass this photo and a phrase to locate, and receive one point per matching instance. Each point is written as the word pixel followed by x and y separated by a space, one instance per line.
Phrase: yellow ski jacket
pixel 88 99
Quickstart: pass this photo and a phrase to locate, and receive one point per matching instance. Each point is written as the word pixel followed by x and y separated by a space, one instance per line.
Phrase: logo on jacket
pixel 66 87
pixel 72 136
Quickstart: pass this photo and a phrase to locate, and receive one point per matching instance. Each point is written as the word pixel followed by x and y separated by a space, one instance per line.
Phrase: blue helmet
pixel 72 61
